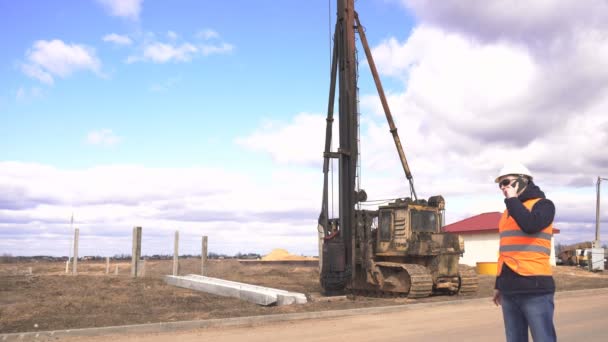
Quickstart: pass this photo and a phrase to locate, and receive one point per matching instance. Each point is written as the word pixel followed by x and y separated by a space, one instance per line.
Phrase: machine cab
pixel 402 221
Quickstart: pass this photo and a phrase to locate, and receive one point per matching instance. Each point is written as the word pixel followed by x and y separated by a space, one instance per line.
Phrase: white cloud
pixel 300 142
pixel 162 53
pixel 35 71
pixel 129 9
pixel 207 34
pixel 464 178
pixel 471 102
pixel 20 93
pixel 483 86
pixel 172 35
pixel 216 49
pixel 476 100
pixel 176 50
pixel 26 94
pixel 170 83
pixel 49 59
pixel 108 201
pixel 104 137
pixel 117 39
pixel 534 23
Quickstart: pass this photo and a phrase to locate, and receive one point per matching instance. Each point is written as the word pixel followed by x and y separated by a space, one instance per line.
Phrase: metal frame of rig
pixel 398 249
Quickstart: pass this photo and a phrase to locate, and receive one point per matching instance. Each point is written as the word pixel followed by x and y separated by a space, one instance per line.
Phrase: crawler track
pixel 421 281
pixel 468 282
pixel 378 294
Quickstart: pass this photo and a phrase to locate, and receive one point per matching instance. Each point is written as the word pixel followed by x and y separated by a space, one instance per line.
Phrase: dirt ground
pixel 51 300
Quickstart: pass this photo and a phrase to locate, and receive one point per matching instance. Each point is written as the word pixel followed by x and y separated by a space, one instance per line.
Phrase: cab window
pixel 423 221
pixel 384 225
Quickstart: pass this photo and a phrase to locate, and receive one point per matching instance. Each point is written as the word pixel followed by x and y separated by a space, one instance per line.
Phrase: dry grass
pixel 50 300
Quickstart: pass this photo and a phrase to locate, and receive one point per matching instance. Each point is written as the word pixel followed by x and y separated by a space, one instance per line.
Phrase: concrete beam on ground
pixel 252 293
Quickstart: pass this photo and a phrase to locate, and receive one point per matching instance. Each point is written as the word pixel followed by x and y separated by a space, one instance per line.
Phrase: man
pixel 524 285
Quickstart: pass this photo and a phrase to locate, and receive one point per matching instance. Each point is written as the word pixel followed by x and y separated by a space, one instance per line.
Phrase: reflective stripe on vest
pixel 526 254
pixel 539 235
pixel 525 248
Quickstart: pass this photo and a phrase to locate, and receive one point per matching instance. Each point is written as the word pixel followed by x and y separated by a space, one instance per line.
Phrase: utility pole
pixel 597 242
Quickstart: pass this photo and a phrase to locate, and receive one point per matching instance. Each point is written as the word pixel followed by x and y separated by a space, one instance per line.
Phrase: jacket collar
pixel 532 191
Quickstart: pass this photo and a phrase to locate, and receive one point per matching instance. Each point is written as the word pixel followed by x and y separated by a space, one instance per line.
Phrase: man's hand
pixel 509 191
pixel 496 299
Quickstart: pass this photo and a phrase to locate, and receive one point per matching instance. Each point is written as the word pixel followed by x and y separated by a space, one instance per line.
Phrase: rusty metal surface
pixel 398 248
pixel 327 154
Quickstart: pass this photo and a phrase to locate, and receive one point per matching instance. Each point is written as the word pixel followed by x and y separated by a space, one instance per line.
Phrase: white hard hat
pixel 513 168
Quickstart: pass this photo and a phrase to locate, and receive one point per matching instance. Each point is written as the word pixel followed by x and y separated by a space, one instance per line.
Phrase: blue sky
pixel 178 113
pixel 208 116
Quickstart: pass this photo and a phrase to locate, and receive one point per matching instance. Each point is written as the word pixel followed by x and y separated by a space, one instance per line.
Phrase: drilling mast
pixel 338 258
pixel 337 252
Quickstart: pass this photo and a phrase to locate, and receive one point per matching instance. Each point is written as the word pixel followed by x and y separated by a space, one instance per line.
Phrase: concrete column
pixel 136 251
pixel 204 257
pixel 141 269
pixel 75 260
pixel 107 265
pixel 176 253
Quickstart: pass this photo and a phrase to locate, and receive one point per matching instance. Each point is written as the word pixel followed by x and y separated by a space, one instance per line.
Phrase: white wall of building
pixel 483 247
pixel 480 247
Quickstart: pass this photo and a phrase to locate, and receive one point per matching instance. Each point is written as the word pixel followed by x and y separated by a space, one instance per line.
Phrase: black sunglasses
pixel 505 182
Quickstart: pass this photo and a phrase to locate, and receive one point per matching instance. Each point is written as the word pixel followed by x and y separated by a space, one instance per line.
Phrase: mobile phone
pixel 518 184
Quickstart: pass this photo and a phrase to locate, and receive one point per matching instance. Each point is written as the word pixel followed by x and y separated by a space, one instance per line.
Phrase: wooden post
pixel 67 266
pixel 107 265
pixel 204 257
pixel 75 260
pixel 116 270
pixel 136 251
pixel 176 253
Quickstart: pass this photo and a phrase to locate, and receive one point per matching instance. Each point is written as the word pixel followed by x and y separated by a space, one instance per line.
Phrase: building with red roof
pixel 481 239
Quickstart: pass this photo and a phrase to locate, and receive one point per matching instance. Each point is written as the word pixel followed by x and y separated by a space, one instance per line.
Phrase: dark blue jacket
pixel 531 222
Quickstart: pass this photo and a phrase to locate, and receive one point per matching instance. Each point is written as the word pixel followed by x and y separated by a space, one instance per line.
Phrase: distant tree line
pixel 7 258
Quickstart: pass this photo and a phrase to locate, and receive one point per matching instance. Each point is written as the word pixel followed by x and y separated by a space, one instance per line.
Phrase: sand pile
pixel 280 254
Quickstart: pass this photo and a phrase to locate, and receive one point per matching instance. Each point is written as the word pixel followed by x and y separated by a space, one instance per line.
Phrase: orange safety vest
pixel 526 254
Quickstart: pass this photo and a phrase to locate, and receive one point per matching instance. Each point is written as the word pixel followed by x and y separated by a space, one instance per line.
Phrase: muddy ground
pixel 50 300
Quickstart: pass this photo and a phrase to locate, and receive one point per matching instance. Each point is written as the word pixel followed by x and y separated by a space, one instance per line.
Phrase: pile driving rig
pixel 398 249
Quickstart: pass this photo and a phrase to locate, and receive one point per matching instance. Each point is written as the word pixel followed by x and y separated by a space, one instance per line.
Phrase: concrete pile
pixel 252 293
